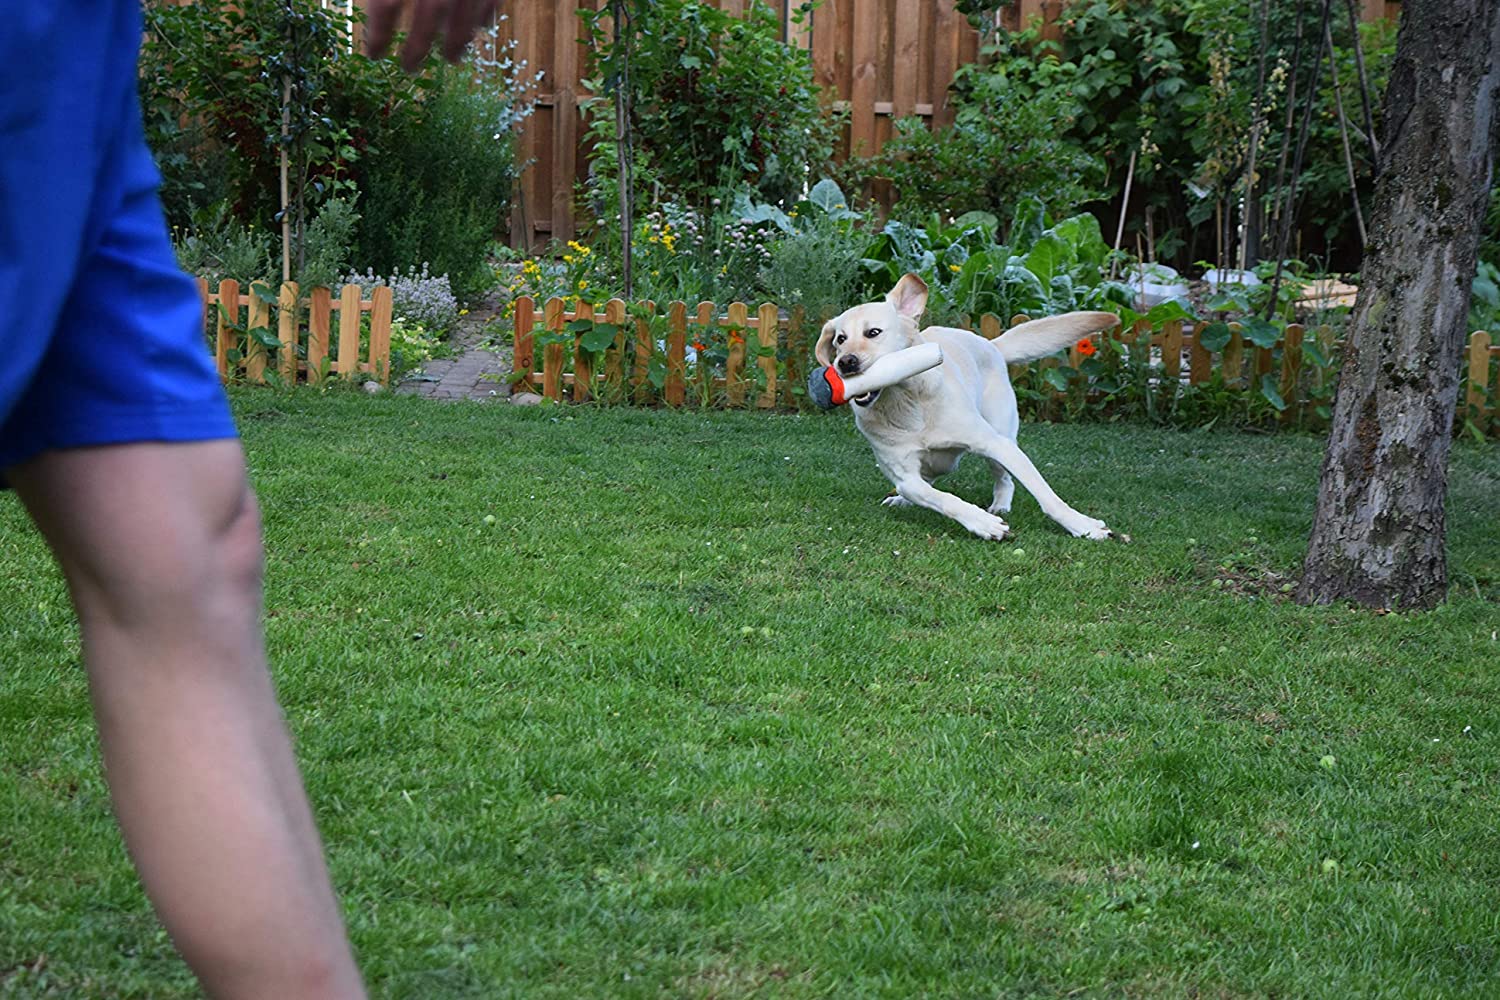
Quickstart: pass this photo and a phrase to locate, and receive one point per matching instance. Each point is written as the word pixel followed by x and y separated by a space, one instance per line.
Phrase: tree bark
pixel 1379 532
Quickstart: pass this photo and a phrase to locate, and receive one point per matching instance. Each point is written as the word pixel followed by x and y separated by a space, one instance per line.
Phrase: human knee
pixel 206 570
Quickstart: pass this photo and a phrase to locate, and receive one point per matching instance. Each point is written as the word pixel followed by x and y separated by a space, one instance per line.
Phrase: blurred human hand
pixel 455 20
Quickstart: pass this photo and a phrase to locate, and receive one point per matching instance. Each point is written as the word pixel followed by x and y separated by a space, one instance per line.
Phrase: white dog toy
pixel 827 388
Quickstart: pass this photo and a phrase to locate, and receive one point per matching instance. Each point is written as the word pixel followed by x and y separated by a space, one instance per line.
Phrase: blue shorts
pixel 101 334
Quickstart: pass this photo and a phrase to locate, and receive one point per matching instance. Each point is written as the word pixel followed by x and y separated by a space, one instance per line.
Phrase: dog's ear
pixel 909 297
pixel 824 350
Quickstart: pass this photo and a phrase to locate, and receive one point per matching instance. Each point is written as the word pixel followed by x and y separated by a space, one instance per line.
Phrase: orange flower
pixel 1086 348
pixel 698 347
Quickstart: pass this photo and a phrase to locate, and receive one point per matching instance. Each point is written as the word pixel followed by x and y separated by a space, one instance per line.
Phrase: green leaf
pixel 264 337
pixel 598 338
pixel 1261 333
pixel 983 221
pixel 1269 390
pixel 1055 378
pixel 828 196
pixel 656 372
pixel 1214 336
pixel 1165 312
pixel 1047 258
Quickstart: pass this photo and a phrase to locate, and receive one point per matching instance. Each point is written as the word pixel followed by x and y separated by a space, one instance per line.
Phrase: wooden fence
pixel 302 344
pixel 646 359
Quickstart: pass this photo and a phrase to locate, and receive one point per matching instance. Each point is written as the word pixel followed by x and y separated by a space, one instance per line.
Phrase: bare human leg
pixel 160 544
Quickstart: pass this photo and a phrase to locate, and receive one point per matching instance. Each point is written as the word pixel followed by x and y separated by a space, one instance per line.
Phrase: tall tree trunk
pixel 1379 532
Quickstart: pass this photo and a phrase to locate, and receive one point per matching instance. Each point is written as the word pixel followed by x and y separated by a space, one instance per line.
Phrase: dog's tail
pixel 1038 338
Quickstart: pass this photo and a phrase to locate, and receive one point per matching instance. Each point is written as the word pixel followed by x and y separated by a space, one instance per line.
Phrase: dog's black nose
pixel 849 365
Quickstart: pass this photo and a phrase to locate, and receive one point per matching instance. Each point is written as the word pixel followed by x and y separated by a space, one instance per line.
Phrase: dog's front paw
pixel 896 500
pixel 988 527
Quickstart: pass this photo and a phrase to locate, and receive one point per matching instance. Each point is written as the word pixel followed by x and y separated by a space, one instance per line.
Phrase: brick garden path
pixel 473 372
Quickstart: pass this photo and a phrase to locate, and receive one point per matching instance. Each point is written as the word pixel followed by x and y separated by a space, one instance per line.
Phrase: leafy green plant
pixel 717 102
pixel 1040 272
pixel 329 243
pixel 1007 143
pixel 217 246
pixel 817 264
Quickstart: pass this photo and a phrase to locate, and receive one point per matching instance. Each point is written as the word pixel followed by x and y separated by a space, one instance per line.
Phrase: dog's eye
pixel 839 339
pixel 873 331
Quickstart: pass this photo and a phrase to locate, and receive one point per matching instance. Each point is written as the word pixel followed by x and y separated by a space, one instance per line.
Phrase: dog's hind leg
pixel 1008 454
pixel 1005 489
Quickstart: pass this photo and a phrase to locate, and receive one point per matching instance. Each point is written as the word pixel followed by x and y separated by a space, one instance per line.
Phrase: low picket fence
pixel 739 356
pixel 256 330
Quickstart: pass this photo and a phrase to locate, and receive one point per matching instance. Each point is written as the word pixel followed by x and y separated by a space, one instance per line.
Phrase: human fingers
pixel 426 18
pixel 380 24
pixel 464 20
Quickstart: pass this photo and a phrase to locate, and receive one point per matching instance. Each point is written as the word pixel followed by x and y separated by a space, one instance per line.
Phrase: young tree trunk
pixel 1379 530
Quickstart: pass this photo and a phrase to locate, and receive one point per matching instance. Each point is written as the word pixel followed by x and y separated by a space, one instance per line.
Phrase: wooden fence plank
pixel 1291 372
pixel 866 46
pixel 1200 360
pixel 382 306
pixel 288 308
pixel 552 354
pixel 705 319
pixel 904 64
pixel 769 336
pixel 1171 350
pixel 565 121
pixel 738 324
pixel 1265 364
pixel 1232 361
pixel 228 315
pixel 1479 378
pixel 319 330
pixel 676 386
pixel 645 347
pixel 523 357
pixel 614 356
pixel 945 33
pixel 255 352
pixel 349 299
pixel 583 361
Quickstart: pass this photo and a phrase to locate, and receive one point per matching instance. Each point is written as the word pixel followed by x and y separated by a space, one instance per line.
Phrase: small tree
pixel 1379 532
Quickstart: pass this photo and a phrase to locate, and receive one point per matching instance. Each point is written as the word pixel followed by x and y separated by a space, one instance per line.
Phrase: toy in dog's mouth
pixel 866 399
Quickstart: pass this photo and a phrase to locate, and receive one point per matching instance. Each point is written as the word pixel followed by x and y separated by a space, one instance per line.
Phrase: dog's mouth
pixel 866 398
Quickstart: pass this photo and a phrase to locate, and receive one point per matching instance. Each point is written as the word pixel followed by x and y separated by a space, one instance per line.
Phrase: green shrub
pixel 216 246
pixel 438 186
pixel 329 244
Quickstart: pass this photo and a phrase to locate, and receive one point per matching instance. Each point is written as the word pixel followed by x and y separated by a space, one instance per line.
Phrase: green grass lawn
pixel 696 717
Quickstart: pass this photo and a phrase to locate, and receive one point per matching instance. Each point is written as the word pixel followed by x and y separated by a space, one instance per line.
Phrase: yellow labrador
pixel 920 428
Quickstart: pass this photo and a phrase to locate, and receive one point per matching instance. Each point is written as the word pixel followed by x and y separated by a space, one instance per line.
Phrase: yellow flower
pixel 463 312
pixel 567 258
pixel 954 268
pixel 582 285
